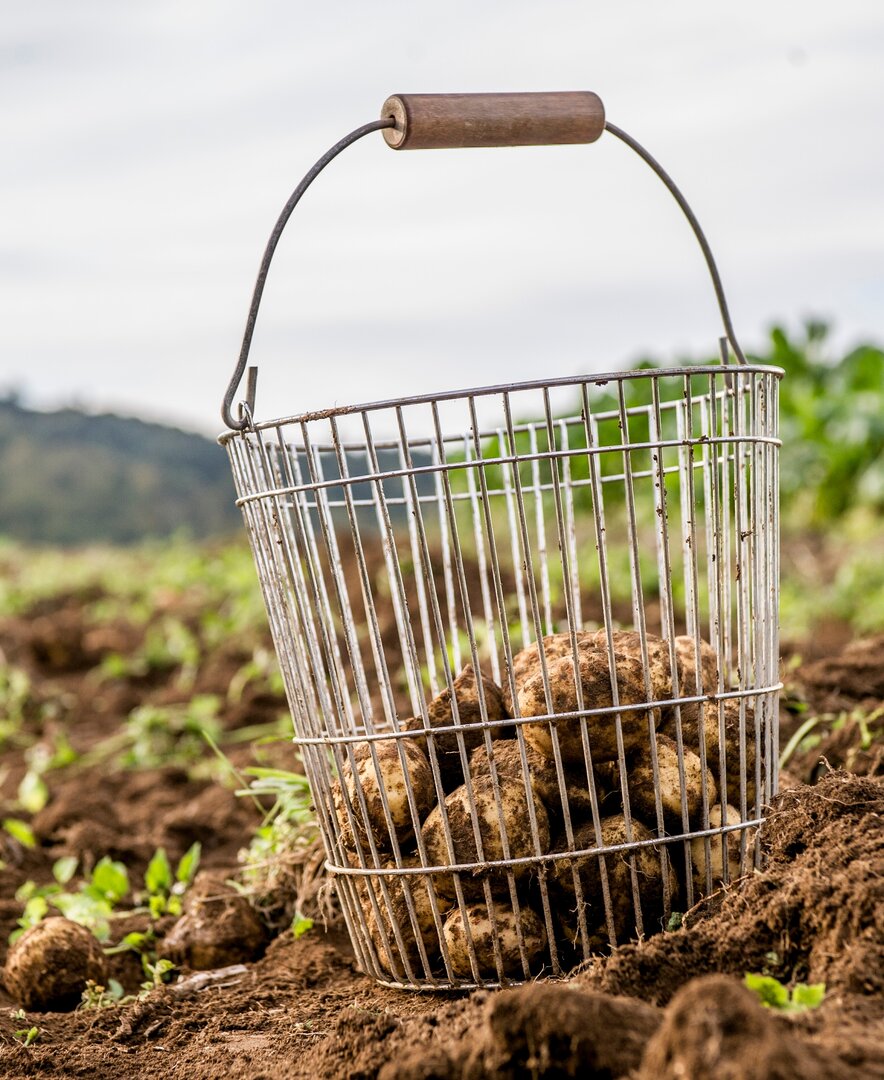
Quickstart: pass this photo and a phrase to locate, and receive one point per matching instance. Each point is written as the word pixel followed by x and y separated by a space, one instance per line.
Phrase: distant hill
pixel 68 477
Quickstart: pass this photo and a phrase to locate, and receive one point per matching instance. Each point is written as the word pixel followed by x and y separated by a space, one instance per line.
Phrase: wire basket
pixel 529 638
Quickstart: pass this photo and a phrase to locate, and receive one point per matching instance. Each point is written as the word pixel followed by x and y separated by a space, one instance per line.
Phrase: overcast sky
pixel 147 149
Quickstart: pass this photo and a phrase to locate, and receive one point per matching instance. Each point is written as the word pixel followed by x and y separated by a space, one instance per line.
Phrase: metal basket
pixel 485 829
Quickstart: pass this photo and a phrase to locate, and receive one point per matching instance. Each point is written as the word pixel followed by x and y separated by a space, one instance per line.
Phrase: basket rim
pixel 598 379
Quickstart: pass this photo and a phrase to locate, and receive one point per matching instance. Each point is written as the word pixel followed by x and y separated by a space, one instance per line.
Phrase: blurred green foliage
pixel 831 424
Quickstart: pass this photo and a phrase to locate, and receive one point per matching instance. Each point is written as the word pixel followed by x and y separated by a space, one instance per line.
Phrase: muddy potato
pixel 596 684
pixel 716 860
pixel 468 697
pixel 690 727
pixel 515 812
pixel 628 643
pixel 527 930
pixel 648 871
pixel 642 801
pixel 393 911
pixel 542 776
pixel 219 927
pixel 48 967
pixel 526 663
pixel 392 778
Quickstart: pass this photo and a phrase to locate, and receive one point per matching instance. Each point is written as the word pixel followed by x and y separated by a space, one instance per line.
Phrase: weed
pixel 25 1035
pixel 92 905
pixel 774 995
pixel 96 996
pixel 165 890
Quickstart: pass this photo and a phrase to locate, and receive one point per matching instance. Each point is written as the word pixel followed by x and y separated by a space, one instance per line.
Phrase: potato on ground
pixel 219 927
pixel 392 914
pixel 516 820
pixel 650 877
pixel 595 680
pixel 642 801
pixel 379 767
pixel 469 696
pixel 517 937
pixel 690 728
pixel 48 967
pixel 526 663
pixel 716 854
pixel 542 776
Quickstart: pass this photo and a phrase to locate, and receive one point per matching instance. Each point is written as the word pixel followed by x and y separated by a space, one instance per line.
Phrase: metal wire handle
pixel 246 408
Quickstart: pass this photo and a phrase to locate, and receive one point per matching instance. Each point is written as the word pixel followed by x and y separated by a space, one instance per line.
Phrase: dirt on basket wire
pixel 671 1006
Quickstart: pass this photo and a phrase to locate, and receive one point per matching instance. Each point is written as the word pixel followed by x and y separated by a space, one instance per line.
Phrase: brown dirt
pixel 658 1008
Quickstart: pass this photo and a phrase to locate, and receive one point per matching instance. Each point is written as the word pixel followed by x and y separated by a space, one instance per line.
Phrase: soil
pixel 671 1006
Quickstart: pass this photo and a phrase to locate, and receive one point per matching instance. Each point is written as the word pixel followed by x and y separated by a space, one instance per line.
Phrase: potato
pixel 514 804
pixel 467 695
pixel 526 664
pixel 392 778
pixel 716 862
pixel 642 802
pixel 690 727
pixel 380 923
pixel 219 927
pixel 526 930
pixel 628 643
pixel 596 683
pixel 48 967
pixel 647 864
pixel 686 659
pixel 542 775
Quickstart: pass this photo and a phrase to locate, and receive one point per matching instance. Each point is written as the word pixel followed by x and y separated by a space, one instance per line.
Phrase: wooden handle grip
pixel 442 121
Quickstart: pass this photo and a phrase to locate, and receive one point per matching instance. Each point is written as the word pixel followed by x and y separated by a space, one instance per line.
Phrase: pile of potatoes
pixel 518 789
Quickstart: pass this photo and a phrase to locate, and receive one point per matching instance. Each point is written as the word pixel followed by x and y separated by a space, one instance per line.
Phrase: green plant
pixel 92 905
pixel 774 995
pixel 25 1035
pixel 165 890
pixel 100 997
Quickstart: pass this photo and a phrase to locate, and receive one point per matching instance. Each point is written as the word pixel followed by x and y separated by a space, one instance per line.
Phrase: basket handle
pixel 436 121
pixel 445 121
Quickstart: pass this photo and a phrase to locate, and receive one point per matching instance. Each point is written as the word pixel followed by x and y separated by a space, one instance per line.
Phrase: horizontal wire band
pixel 512 721
pixel 601 379
pixel 532 860
pixel 509 459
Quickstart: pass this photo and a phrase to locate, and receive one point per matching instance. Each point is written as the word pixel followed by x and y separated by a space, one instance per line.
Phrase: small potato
pixel 716 861
pixel 380 923
pixel 595 680
pixel 526 664
pixel 468 696
pixel 690 727
pixel 542 775
pixel 517 937
pixel 514 805
pixel 48 967
pixel 642 802
pixel 392 781
pixel 648 871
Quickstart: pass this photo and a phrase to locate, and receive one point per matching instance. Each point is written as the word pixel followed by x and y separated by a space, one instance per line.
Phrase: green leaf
pixel 158 876
pixel 110 879
pixel 189 864
pixel 157 905
pixel 301 925
pixel 770 991
pixel 64 869
pixel 33 794
pixel 21 831
pixel 114 989
pixel 808 996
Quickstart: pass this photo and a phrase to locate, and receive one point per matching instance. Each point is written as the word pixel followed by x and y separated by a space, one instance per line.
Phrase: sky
pixel 149 147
